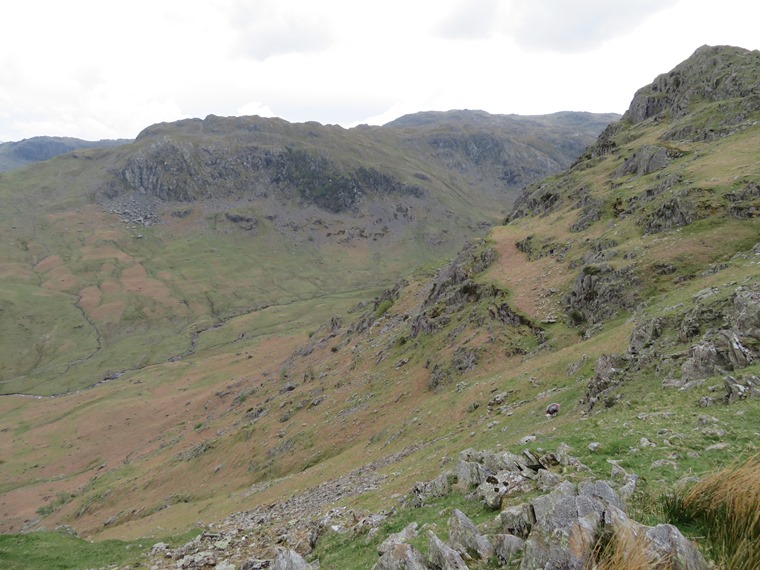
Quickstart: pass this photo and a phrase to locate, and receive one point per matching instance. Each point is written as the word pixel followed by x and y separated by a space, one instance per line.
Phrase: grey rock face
pixel 442 556
pixel 743 388
pixel 599 292
pixel 401 557
pixel 608 371
pixel 495 487
pixel 407 534
pixel 508 546
pixel 465 538
pixel 667 542
pixel 704 75
pixel 600 490
pixel 747 307
pixel 518 519
pixel 289 560
pixel 645 160
pixel 675 212
pixel 564 537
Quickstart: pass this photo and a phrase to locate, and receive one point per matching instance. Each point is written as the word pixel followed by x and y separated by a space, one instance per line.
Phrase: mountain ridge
pixel 623 288
pixel 16 154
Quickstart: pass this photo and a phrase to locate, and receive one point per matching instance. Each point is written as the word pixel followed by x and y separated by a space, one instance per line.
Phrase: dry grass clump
pixel 726 507
pixel 623 550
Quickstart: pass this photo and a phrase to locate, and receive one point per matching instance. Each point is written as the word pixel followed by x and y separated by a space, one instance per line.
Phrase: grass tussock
pixel 726 507
pixel 624 550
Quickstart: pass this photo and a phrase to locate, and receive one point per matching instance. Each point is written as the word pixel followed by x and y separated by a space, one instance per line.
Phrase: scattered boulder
pixel 290 560
pixel 600 292
pixel 645 160
pixel 401 557
pixel 745 387
pixel 465 538
pixel 667 543
pixel 408 533
pixel 495 487
pixel 442 556
pixel 675 212
pixel 518 519
pixel 508 547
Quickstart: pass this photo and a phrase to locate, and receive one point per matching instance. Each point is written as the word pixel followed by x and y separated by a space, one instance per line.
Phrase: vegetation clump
pixel 725 508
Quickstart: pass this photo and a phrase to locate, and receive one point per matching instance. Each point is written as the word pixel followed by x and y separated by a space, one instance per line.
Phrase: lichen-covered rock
pixel 438 487
pixel 404 536
pixel 717 353
pixel 666 542
pixel 645 160
pixel 546 480
pixel 401 557
pixel 675 212
pixel 742 388
pixel 703 76
pixel 465 538
pixel 469 474
pixel 600 490
pixel 289 560
pixel 600 292
pixel 442 556
pixel 518 519
pixel 508 547
pixel 495 487
pixel 564 534
pixel 747 307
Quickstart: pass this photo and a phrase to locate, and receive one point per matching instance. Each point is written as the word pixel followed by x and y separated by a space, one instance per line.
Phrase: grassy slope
pixel 86 295
pixel 372 407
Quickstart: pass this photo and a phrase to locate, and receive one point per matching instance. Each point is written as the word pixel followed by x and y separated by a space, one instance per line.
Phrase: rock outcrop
pixel 711 73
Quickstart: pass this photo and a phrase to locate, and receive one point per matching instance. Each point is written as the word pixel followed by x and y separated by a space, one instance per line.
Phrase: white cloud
pixel 473 19
pixel 255 108
pixel 559 25
pixel 267 29
pixel 88 68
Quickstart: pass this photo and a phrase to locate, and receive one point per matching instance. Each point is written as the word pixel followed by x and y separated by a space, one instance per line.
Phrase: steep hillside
pixel 22 153
pixel 625 289
pixel 119 258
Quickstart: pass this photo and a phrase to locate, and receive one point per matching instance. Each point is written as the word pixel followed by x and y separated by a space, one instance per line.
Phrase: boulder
pixel 407 534
pixel 663 542
pixel 667 542
pixel 745 387
pixel 747 307
pixel 564 534
pixel 401 557
pixel 546 480
pixel 469 474
pixel 289 560
pixel 199 560
pixel 645 160
pixel 517 520
pixel 465 538
pixel 495 487
pixel 442 556
pixel 600 490
pixel 508 547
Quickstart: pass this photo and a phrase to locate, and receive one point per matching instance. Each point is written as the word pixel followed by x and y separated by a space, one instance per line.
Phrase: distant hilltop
pixel 21 153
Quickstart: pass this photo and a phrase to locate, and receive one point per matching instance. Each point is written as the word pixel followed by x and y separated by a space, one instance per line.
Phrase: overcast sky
pixel 107 69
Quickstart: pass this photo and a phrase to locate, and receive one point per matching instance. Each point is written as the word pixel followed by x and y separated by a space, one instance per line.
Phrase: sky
pixel 96 69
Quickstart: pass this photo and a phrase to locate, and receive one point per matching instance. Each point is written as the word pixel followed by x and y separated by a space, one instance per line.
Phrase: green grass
pixel 56 551
pixel 60 551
